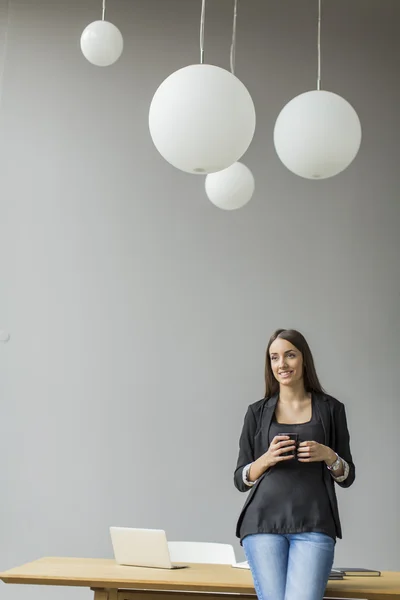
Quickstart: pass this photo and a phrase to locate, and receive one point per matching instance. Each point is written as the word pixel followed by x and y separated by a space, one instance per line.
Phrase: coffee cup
pixel 295 438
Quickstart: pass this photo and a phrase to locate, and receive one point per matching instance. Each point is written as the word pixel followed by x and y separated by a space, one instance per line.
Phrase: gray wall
pixel 139 313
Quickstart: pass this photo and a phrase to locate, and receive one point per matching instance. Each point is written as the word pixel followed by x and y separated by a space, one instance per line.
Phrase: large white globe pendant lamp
pixel 102 42
pixel 231 188
pixel 202 118
pixel 317 134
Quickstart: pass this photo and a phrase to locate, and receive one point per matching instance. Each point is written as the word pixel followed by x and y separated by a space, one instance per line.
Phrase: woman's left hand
pixel 315 452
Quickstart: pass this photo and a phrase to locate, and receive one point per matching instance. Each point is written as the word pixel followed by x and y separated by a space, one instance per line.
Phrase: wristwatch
pixel 336 465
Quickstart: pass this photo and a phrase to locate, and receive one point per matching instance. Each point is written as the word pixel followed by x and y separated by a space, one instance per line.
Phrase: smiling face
pixel 286 362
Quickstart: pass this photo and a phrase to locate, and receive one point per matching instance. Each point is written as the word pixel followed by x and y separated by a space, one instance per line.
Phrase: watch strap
pixel 336 465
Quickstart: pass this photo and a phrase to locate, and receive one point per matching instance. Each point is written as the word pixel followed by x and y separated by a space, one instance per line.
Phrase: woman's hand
pixel 279 445
pixel 315 452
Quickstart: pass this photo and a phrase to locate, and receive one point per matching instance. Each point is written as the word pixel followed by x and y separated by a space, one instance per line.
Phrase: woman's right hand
pixel 279 445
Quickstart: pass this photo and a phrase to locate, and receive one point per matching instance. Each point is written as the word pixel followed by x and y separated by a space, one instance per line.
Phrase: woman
pixel 290 521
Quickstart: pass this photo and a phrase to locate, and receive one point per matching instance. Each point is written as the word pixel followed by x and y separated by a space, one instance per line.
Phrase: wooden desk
pixel 110 581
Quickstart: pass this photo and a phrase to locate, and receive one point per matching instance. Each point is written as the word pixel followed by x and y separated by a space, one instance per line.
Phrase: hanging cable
pixel 319 45
pixel 202 25
pixel 233 45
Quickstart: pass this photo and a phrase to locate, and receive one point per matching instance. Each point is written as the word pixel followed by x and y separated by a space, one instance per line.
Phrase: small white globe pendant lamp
pixel 317 134
pixel 231 188
pixel 102 42
pixel 202 118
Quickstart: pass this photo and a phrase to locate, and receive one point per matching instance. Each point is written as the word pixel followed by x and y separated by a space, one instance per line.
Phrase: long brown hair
pixel 311 381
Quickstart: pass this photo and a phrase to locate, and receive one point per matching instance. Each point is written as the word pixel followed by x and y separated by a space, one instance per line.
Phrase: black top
pixel 254 442
pixel 292 497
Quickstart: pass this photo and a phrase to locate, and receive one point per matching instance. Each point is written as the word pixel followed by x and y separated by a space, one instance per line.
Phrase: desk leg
pixel 105 594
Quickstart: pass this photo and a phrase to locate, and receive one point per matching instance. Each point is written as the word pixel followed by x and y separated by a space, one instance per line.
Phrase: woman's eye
pixel 291 355
pixel 273 357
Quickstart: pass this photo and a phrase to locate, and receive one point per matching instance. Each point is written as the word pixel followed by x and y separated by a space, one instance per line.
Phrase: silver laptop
pixel 141 548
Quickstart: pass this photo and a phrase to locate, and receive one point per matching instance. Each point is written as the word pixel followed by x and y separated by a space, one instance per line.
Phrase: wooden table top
pixel 105 573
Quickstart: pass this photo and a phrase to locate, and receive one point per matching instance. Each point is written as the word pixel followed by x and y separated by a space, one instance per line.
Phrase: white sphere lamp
pixel 202 119
pixel 317 134
pixel 102 43
pixel 231 188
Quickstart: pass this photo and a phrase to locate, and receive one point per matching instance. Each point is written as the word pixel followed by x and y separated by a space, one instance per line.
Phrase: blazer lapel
pixel 324 413
pixel 265 421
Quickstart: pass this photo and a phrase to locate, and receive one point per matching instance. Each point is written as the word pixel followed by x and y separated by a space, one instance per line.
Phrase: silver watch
pixel 336 465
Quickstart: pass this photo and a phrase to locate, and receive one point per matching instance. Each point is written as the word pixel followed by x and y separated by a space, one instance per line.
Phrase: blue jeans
pixel 294 566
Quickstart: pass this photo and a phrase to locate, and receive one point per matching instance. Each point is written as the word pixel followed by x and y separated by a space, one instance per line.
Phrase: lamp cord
pixel 319 45
pixel 202 28
pixel 233 45
pixel 202 25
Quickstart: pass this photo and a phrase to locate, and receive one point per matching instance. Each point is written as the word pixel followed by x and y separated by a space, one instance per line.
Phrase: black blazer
pixel 254 442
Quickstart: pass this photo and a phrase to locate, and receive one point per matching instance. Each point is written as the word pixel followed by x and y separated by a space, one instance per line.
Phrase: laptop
pixel 141 548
